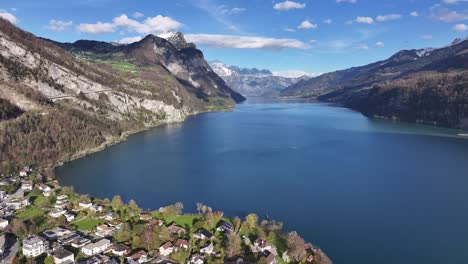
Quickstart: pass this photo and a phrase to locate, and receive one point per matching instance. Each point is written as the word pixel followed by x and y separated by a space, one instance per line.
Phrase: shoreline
pixel 123 137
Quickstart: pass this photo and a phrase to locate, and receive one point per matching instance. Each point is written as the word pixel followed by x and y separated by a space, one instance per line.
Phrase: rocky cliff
pixel 61 100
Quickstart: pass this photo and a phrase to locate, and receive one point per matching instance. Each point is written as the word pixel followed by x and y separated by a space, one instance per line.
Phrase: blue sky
pixel 307 35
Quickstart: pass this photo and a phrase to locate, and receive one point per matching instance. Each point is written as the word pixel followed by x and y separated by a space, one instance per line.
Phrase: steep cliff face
pixel 57 104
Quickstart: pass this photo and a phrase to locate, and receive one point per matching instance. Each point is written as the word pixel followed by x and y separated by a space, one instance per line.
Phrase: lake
pixel 365 191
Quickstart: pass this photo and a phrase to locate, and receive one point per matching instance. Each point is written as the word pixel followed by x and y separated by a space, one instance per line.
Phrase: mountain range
pixel 255 82
pixel 59 101
pixel 420 85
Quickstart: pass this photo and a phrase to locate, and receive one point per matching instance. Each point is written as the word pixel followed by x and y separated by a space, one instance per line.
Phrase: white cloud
pixel 244 42
pixel 327 21
pixel 306 24
pixel 152 25
pixel 129 40
pixel 454 1
pixel 364 20
pixel 234 10
pixel 460 27
pixel 288 5
pixel 8 16
pixel 380 44
pixel 363 47
pixel 289 29
pixel 414 14
pixel 445 15
pixel 97 28
pixel 427 37
pixel 389 17
pixel 138 15
pixel 346 1
pixel 58 25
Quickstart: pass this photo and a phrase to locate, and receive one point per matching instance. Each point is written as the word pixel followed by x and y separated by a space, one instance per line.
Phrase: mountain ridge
pixel 78 97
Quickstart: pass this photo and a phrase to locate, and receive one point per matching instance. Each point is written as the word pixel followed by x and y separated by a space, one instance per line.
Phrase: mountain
pixel 253 82
pixel 59 101
pixel 421 85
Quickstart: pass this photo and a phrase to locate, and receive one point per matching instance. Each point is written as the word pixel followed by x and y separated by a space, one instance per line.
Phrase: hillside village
pixel 42 222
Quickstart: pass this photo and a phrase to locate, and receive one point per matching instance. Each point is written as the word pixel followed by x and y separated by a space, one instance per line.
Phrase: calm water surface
pixel 367 192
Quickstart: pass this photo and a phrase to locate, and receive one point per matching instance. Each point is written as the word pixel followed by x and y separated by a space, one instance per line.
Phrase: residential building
pixel 96 248
pixel 62 256
pixel 182 244
pixel 34 246
pixel 166 249
pixel 196 259
pixel 138 257
pixel 208 249
pixel 120 250
pixel 202 234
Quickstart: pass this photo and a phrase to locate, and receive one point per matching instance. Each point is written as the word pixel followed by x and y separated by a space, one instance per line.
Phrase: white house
pixel 85 205
pixel 57 212
pixel 63 256
pixel 56 232
pixel 96 248
pixel 207 249
pixel 196 259
pixel 202 234
pixel 3 223
pixel 166 249
pixel 34 246
pixel 69 216
pixel 23 173
pixel 139 257
pixel 120 250
pixel 27 186
pixel 18 203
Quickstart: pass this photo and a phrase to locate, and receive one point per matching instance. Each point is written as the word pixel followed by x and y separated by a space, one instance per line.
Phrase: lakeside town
pixel 43 222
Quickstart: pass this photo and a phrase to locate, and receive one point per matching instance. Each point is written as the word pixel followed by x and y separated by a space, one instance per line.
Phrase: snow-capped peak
pixel 221 69
pixel 424 52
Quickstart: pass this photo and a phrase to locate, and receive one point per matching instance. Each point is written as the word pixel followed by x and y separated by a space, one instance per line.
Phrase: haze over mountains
pixel 60 100
pixel 255 82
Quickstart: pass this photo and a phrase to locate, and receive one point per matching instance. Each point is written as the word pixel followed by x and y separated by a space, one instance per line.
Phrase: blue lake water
pixel 365 191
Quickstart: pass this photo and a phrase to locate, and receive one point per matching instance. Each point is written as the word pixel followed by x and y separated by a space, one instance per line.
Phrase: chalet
pixel 182 244
pixel 207 249
pixel 196 259
pixel 121 250
pixel 175 229
pixel 34 246
pixel 96 248
pixel 138 257
pixel 62 201
pixel 166 249
pixel 62 256
pixel 224 227
pixel 202 234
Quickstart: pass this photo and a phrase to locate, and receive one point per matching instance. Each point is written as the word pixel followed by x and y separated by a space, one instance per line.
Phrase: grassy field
pixel 88 223
pixel 30 213
pixel 183 220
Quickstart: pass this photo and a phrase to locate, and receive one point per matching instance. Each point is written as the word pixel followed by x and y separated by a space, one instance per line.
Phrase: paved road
pixel 11 248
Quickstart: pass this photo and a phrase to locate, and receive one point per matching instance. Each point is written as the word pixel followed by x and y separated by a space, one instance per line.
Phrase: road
pixel 11 248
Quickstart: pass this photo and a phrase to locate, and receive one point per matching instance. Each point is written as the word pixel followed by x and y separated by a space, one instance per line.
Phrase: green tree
pixel 116 202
